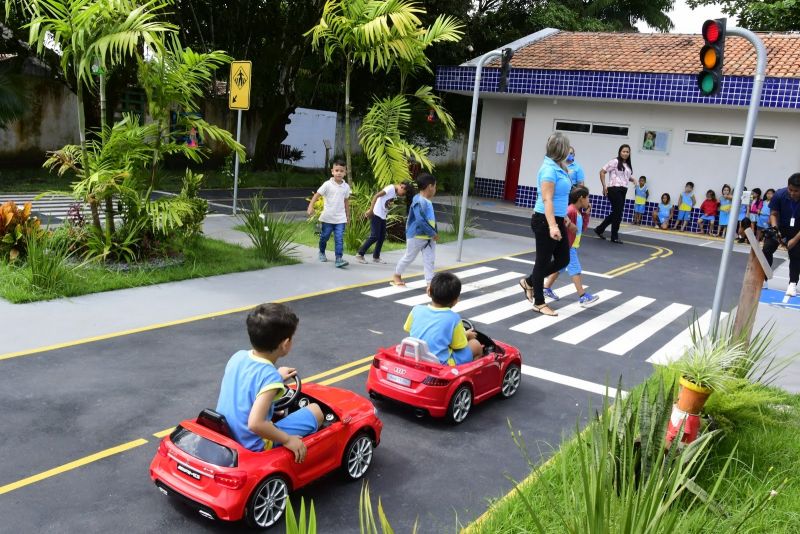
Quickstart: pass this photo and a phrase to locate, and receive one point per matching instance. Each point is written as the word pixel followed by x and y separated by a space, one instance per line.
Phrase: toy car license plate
pixel 398 379
pixel 189 472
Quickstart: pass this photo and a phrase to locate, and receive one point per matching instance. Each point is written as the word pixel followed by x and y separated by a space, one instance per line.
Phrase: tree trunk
pixel 348 149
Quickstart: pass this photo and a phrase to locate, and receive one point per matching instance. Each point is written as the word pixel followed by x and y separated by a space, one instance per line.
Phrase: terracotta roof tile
pixel 664 53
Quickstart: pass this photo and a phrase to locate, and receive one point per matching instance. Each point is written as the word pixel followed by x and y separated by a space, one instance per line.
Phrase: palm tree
pixel 93 34
pixel 372 33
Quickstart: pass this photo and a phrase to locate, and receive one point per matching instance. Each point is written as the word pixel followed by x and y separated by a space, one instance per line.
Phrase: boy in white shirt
pixel 335 213
pixel 378 212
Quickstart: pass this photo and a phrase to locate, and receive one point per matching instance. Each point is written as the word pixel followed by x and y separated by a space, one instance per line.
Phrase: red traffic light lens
pixel 711 31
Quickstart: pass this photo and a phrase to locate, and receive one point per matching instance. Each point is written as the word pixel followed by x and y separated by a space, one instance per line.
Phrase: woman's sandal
pixel 544 309
pixel 527 289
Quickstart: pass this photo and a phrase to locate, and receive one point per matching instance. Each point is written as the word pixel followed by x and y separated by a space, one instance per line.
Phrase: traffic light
pixel 505 69
pixel 709 81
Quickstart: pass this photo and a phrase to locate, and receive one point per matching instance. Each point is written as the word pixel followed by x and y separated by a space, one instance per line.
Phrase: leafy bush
pixel 272 236
pixel 16 224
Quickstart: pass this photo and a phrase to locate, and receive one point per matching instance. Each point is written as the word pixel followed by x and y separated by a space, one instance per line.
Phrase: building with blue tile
pixel 608 89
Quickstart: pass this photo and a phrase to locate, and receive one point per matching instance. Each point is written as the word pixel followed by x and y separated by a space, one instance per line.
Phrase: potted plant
pixel 704 368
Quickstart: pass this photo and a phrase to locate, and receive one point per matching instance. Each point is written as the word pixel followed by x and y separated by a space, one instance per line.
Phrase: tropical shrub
pixel 15 225
pixel 272 236
pixel 46 261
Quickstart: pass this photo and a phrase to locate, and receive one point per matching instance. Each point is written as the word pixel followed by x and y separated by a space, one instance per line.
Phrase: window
pixel 591 128
pixel 582 127
pixel 721 139
pixel 610 129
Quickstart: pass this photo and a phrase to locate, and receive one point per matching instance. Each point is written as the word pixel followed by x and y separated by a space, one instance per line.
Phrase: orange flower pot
pixel 691 397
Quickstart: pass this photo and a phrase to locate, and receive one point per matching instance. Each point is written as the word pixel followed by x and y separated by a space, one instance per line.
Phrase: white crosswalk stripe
pixel 613 310
pixel 636 335
pixel 466 288
pixel 602 322
pixel 417 284
pixel 543 321
pixel 518 307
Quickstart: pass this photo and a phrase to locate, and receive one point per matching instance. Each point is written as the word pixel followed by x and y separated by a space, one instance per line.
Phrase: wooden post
pixel 757 271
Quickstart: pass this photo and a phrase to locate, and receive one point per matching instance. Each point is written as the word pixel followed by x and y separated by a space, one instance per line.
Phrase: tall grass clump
pixel 454 215
pixel 47 266
pixel 272 236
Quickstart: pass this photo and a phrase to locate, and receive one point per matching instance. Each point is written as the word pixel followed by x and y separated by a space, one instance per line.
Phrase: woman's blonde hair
pixel 557 147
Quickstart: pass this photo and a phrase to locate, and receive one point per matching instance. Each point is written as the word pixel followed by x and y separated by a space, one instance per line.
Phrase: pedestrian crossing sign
pixel 239 85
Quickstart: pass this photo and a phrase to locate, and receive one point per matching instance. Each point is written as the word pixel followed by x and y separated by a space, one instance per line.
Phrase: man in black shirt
pixel 784 220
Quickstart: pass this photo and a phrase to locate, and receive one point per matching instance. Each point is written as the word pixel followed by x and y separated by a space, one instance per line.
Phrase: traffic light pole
pixel 744 161
pixel 471 143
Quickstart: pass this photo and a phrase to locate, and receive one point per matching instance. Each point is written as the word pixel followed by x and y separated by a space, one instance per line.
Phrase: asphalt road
pixel 67 404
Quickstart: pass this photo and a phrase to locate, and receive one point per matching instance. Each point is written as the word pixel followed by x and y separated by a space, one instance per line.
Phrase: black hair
pixel 445 289
pixel 794 180
pixel 411 190
pixel 339 162
pixel 620 166
pixel 669 198
pixel 690 184
pixel 746 223
pixel 643 177
pixel 767 191
pixel 578 192
pixel 712 193
pixel 729 188
pixel 757 191
pixel 268 325
pixel 424 180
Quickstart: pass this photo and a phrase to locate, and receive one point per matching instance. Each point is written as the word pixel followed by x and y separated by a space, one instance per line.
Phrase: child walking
pixel 378 212
pixel 421 233
pixel 578 215
pixel 725 201
pixel 685 206
pixel 639 204
pixel 335 213
pixel 663 214
pixel 708 212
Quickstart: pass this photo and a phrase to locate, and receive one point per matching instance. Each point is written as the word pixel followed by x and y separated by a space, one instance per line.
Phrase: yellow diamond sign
pixel 239 85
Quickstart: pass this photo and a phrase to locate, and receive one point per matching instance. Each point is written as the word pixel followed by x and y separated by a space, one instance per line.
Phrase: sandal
pixel 397 284
pixel 544 309
pixel 527 289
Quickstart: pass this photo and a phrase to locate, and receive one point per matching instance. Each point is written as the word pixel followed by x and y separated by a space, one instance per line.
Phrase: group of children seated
pixel 754 213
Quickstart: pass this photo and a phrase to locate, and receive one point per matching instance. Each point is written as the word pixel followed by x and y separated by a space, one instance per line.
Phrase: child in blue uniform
pixel 725 201
pixel 663 214
pixel 640 202
pixel 440 327
pixel 686 203
pixel 252 383
pixel 763 215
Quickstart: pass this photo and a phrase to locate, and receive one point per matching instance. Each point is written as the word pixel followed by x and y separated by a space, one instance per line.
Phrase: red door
pixel 514 157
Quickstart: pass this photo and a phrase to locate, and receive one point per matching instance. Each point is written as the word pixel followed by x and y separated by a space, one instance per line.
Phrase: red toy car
pixel 409 374
pixel 200 464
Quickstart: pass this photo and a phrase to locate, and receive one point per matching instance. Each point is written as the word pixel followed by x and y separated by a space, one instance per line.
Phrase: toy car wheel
pixel 460 404
pixel 267 503
pixel 511 381
pixel 357 456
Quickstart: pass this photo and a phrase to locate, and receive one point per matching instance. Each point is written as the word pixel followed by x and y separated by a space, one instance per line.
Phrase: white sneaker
pixel 792 290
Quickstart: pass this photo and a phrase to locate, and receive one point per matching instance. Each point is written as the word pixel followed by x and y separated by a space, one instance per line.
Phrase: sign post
pixel 239 99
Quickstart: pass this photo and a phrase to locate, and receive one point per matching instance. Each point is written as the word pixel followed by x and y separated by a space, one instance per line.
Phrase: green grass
pixel 305 236
pixel 207 257
pixel 763 423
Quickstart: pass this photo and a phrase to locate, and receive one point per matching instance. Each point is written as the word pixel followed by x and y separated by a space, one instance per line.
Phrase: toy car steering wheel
pixel 291 396
pixel 467 324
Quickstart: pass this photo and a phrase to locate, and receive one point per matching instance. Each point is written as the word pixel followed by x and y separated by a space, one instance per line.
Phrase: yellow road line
pixel 660 253
pixel 156 326
pixel 165 432
pixel 72 465
pixel 344 376
pixel 340 368
pixel 613 271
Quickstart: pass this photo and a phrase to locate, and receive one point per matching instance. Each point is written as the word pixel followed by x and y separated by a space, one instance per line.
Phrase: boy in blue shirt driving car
pixel 251 384
pixel 440 327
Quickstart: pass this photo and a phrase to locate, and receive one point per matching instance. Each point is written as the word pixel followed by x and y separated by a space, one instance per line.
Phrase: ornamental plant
pixel 15 225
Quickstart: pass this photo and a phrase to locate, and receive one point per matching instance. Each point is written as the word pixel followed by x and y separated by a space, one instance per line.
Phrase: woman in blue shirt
pixel 549 221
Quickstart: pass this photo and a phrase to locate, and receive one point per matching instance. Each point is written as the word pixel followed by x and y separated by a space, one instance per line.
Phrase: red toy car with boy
pixel 200 464
pixel 410 374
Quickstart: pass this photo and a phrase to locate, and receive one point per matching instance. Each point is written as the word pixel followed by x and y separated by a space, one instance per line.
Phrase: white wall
pixel 307 130
pixel 707 166
pixel 495 126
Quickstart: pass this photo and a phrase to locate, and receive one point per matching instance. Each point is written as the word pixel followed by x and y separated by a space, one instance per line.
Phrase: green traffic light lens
pixel 707 84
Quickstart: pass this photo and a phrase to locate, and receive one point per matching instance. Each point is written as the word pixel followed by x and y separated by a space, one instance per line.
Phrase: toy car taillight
pixel 433 381
pixel 376 362
pixel 162 448
pixel 231 480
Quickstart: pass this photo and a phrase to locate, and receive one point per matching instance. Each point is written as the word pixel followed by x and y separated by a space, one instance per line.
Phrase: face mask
pixel 570 158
